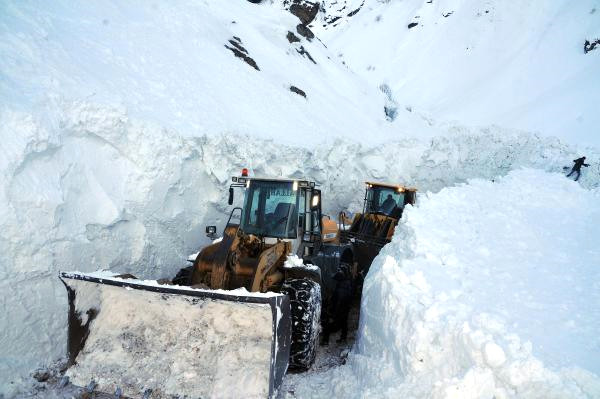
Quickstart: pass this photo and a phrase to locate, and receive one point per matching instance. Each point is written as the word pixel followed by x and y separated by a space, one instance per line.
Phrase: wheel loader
pixel 228 326
pixel 370 230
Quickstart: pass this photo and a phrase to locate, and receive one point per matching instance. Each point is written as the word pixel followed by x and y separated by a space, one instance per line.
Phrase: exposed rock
pixel 412 25
pixel 354 12
pixel 292 38
pixel 391 107
pixel 298 91
pixel 589 46
pixel 305 31
pixel 302 51
pixel 41 375
pixel 239 51
pixel 306 11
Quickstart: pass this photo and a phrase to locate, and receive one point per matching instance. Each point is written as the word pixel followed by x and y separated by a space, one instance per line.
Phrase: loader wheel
pixel 184 276
pixel 305 304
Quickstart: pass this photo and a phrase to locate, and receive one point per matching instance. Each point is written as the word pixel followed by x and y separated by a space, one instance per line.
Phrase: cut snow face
pixel 488 289
pixel 100 189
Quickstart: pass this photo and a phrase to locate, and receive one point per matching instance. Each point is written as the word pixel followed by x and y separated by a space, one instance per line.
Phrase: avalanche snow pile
pixel 490 289
pixel 94 188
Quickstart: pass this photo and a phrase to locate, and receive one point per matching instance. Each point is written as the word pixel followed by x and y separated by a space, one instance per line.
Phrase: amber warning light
pixel 245 172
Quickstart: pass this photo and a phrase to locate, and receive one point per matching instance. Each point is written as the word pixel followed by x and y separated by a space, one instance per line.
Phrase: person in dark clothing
pixel 579 162
pixel 388 205
pixel 337 316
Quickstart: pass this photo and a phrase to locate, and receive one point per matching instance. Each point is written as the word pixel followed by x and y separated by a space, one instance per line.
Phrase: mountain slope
pixel 176 65
pixel 519 65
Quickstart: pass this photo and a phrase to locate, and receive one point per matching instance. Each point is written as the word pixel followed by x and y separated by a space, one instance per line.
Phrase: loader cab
pixel 280 209
pixel 387 199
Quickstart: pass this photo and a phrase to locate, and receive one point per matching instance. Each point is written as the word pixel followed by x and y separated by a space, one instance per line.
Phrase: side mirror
pixel 315 202
pixel 211 231
pixel 230 201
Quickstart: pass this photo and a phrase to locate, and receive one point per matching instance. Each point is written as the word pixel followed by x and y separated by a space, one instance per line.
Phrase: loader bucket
pixel 162 341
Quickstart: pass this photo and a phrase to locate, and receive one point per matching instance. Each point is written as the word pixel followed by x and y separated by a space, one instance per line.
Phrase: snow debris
pixel 192 257
pixel 294 261
pixel 188 345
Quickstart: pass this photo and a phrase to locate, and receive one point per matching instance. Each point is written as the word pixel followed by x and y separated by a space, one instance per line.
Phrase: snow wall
pixel 489 289
pixel 93 188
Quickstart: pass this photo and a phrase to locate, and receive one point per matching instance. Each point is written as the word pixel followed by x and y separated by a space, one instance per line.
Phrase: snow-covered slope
pixel 488 290
pixel 517 64
pixel 174 64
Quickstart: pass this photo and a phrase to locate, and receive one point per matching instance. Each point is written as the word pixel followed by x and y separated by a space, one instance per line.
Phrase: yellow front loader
pixel 230 325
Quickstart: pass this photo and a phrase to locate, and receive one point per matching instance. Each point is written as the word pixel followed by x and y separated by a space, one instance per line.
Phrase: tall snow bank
pixel 86 186
pixel 488 290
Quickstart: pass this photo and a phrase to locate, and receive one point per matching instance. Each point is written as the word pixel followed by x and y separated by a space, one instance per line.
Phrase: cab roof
pixel 301 182
pixel 394 186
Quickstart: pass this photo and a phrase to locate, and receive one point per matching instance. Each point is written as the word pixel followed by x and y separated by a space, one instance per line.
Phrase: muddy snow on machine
pixel 228 326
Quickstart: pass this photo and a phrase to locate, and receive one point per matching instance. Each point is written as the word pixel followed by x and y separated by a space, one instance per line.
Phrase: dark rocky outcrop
pixel 354 12
pixel 298 91
pixel 302 51
pixel 590 45
pixel 412 25
pixel 305 10
pixel 239 51
pixel 292 38
pixel 305 31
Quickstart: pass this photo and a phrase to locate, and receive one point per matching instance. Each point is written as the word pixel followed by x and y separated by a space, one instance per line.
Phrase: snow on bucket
pixel 165 340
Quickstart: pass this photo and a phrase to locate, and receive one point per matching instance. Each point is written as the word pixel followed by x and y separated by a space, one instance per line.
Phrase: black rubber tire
pixel 305 304
pixel 183 276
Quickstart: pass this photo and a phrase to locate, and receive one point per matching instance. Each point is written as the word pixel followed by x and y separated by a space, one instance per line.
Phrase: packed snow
pixel 490 289
pixel 121 124
pixel 106 191
pixel 188 345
